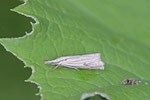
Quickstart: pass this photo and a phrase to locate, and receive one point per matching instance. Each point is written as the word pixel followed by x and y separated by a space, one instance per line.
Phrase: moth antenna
pixel 54 68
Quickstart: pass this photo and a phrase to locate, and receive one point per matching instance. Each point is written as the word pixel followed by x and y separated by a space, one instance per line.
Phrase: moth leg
pixel 54 68
pixel 76 68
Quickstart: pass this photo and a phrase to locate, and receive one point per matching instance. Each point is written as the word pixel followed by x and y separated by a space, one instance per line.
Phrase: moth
pixel 131 81
pixel 89 61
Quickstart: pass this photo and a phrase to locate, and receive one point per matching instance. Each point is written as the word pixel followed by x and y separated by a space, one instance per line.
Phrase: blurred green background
pixel 12 72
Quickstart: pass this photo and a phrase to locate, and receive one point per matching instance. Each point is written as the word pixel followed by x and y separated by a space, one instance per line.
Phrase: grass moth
pixel 89 61
pixel 131 81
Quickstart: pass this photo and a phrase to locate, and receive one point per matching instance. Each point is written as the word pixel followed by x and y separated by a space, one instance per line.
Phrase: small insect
pixel 89 61
pixel 131 81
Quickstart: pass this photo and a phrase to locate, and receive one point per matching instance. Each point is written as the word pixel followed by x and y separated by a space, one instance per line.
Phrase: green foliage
pixel 116 29
pixel 12 73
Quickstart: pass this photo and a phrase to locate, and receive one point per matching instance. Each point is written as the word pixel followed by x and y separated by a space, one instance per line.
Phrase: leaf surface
pixel 74 27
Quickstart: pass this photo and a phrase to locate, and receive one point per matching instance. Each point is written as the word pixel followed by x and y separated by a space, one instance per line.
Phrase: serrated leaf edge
pixel 27 34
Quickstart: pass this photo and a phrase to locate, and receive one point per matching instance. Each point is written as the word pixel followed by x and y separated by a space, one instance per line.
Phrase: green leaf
pixel 12 72
pixel 9 26
pixel 73 27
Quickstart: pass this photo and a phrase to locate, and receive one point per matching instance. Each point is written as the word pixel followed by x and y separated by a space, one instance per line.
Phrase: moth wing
pixel 91 60
pixel 57 61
